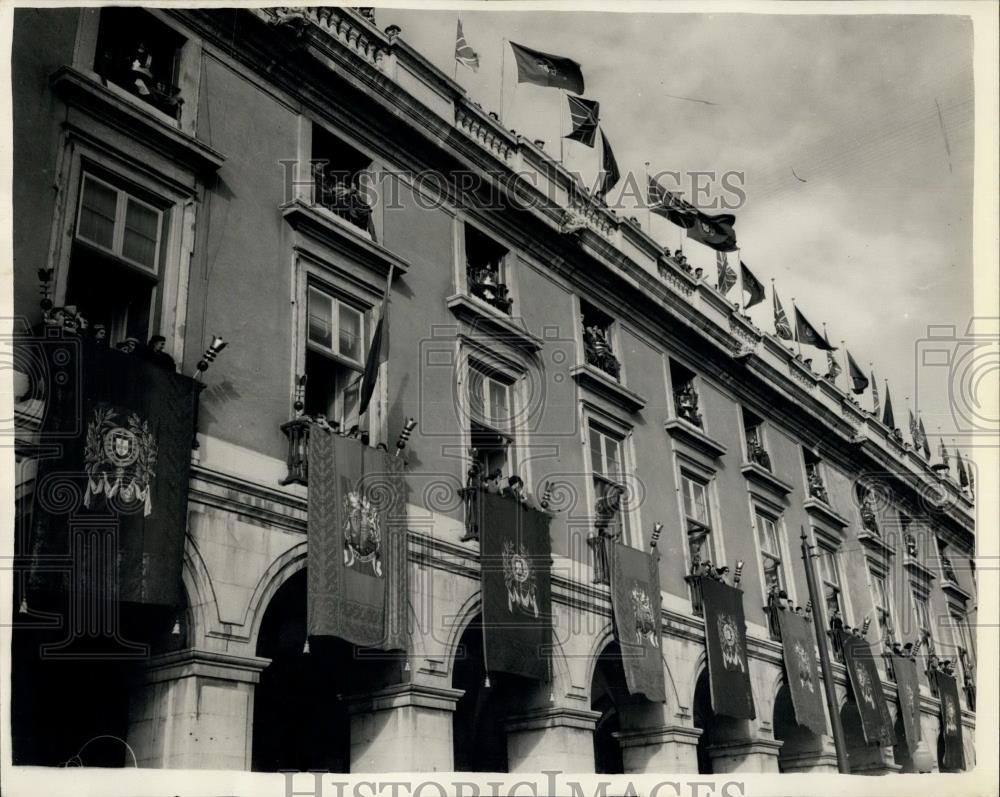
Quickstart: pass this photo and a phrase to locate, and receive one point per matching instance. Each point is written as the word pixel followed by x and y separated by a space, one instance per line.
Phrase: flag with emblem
pixel 610 175
pixel 635 604
pixel 781 326
pixel 726 643
pixel 953 753
pixel 832 366
pixel 727 277
pixel 866 689
pixel 808 334
pixel 908 695
pixel 110 511
pixel 585 116
pixel 515 579
pixel 669 205
pixel 801 673
pixel 859 382
pixel 545 69
pixel 715 231
pixel 356 565
pixel 751 285
pixel 464 54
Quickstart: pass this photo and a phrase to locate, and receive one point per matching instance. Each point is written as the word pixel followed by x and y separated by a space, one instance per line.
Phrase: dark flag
pixel 585 116
pixel 609 168
pixel 953 754
pixel 377 352
pixel 888 417
pixel 357 586
pixel 716 232
pixel 808 334
pixel 727 277
pixel 859 382
pixel 751 285
pixel 925 443
pixel 876 408
pixel 943 453
pixel 963 475
pixel 544 69
pixel 464 54
pixel 866 686
pixel 781 326
pixel 635 602
pixel 670 205
pixel 908 694
pixel 516 579
pixel 726 641
pixel 801 673
pixel 126 429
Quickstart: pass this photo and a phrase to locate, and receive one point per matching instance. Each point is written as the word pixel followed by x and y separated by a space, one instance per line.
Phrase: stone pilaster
pixel 670 749
pixel 750 755
pixel 551 738
pixel 193 709
pixel 403 728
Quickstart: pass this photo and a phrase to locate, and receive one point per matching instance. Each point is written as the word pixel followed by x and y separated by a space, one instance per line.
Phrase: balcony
pixel 764 478
pixel 484 284
pixel 600 383
pixel 597 351
pixel 346 201
pixel 133 72
pixel 685 432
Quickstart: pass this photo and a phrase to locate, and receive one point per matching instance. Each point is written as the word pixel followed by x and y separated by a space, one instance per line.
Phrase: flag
pixel 585 116
pixel 669 205
pixel 377 352
pixel 464 54
pixel 635 603
pixel 807 333
pixel 726 644
pixel 924 442
pixel 801 674
pixel 888 418
pixel 963 476
pixel 609 168
pixel 859 382
pixel 781 327
pixel 908 695
pixel 716 232
pixel 356 565
pixel 727 277
pixel 515 577
pixel 866 688
pixel 832 366
pixel 544 69
pixel 751 285
pixel 914 429
pixel 876 408
pixel 113 503
pixel 943 453
pixel 952 754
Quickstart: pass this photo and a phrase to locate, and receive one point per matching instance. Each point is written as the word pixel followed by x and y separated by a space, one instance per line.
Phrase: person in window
pixel 128 346
pixel 142 70
pixel 156 355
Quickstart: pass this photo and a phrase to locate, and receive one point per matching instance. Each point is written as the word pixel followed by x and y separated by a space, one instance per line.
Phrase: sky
pixel 872 233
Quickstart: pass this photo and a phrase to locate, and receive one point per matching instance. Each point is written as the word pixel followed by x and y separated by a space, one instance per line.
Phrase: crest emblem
pixel 864 684
pixel 645 622
pixel 545 66
pixel 950 717
pixel 805 667
pixel 362 536
pixel 729 640
pixel 119 458
pixel 519 579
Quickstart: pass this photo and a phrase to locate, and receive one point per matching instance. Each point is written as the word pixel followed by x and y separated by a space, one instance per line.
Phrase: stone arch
pixel 800 745
pixel 274 577
pixel 200 594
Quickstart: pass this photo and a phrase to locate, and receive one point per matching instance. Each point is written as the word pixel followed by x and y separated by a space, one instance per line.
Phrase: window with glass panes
pixel 830 576
pixel 883 606
pixel 966 653
pixel 335 358
pixel 770 552
pixel 697 516
pixel 608 469
pixel 118 223
pixel 491 425
pixel 922 609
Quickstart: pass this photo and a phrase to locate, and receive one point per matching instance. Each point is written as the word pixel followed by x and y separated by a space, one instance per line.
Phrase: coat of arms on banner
pixel 732 651
pixel 120 459
pixel 645 623
pixel 864 684
pixel 950 717
pixel 362 537
pixel 519 579
pixel 805 666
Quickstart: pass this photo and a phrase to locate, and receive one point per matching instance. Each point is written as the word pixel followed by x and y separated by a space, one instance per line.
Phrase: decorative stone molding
pixel 672 274
pixel 764 478
pixel 439 698
pixel 487 132
pixel 919 570
pixel 553 717
pixel 361 38
pixel 809 761
pixel 205 664
pixel 745 335
pixel 694 437
pixel 802 374
pixel 596 218
pixel 481 316
pixel 601 384
pixel 824 512
pixel 955 591
pixel 668 734
pixel 876 549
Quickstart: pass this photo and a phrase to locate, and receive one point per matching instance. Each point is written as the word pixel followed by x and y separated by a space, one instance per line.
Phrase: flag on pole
pixel 859 382
pixel 781 327
pixel 888 418
pixel 609 168
pixel 716 232
pixel 669 205
pixel 807 333
pixel 544 69
pixel 751 285
pixel 876 408
pixel 963 475
pixel 943 453
pixel 727 277
pixel 377 352
pixel 914 431
pixel 585 116
pixel 464 54
pixel 833 368
pixel 924 442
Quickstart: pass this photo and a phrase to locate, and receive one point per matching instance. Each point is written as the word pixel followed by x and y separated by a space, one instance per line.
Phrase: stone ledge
pixel 205 664
pixel 762 476
pixel 746 747
pixel 554 717
pixel 669 734
pixel 601 384
pixel 403 696
pixel 693 436
pixel 825 512
pixel 480 316
pixel 809 762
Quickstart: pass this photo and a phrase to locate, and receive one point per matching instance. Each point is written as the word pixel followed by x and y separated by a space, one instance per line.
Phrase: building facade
pixel 259 175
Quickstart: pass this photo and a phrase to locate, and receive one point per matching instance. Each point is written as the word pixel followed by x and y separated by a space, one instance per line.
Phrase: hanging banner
pixel 953 755
pixel 908 694
pixel 866 686
pixel 516 584
pixel 801 673
pixel 356 574
pixel 635 603
pixel 124 426
pixel 726 642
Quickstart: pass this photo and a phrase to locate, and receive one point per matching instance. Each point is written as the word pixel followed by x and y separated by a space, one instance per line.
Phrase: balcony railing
pixel 134 71
pixel 686 404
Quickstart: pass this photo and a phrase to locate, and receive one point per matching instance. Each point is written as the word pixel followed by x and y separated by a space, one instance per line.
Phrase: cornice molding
pixel 596 381
pixel 764 478
pixel 693 437
pixel 480 316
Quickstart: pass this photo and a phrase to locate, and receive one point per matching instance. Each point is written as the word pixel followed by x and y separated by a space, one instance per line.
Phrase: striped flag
pixel 464 54
pixel 727 277
pixel 781 326
pixel 832 366
pixel 585 115
pixel 876 408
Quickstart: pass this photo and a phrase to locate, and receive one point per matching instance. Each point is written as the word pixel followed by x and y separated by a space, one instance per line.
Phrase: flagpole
pixel 847 367
pixel 739 259
pixel 649 218
pixel 503 58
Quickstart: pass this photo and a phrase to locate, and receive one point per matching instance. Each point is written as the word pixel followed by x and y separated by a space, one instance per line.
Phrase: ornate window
pixel 490 424
pixel 768 541
pixel 598 340
pixel 815 483
pixel 686 404
pixel 829 574
pixel 608 473
pixel 335 356
pixel 697 518
pixel 922 612
pixel 883 606
pixel 753 433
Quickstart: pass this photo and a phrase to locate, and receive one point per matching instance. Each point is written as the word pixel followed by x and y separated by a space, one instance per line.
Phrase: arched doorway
pixel 608 696
pixel 715 728
pixel 797 740
pixel 861 756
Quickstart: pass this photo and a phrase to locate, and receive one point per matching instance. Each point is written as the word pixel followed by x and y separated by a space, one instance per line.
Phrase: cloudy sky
pixel 877 240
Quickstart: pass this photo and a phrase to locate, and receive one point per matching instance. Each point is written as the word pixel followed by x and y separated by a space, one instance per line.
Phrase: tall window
pixel 965 653
pixel 753 433
pixel 830 576
pixel 883 606
pixel 485 270
pixel 922 610
pixel 341 179
pixel 598 333
pixel 815 484
pixel 335 355
pixel 770 553
pixel 686 405
pixel 491 426
pixel 697 518
pixel 608 468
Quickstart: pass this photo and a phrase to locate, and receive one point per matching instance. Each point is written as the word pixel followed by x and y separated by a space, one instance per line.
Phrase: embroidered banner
pixel 866 686
pixel 908 694
pixel 801 672
pixel 516 568
pixel 112 504
pixel 726 642
pixel 953 755
pixel 635 602
pixel 356 575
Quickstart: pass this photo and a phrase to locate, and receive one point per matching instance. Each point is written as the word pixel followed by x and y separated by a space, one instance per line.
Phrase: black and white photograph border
pixel 499 398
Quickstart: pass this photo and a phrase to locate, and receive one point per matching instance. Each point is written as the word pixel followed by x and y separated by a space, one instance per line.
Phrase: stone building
pixel 164 169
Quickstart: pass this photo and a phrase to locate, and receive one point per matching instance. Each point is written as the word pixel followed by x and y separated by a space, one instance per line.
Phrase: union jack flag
pixel 781 326
pixel 727 277
pixel 464 54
